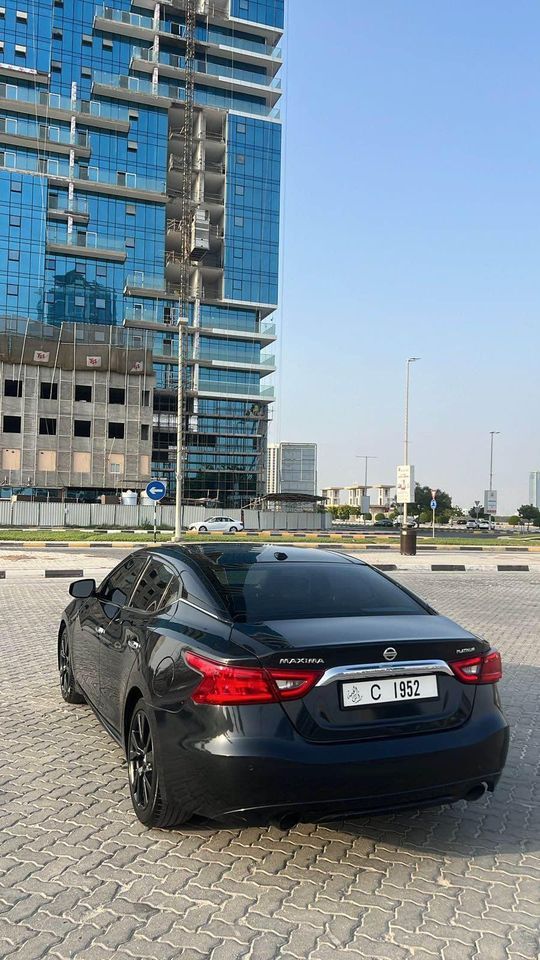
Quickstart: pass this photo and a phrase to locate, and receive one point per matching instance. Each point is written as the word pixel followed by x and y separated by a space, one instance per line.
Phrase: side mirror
pixel 82 589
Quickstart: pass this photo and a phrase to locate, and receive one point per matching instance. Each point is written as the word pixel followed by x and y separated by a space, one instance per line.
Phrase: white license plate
pixel 367 693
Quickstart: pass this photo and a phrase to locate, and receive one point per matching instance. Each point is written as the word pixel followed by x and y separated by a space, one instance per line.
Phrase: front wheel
pixel 71 692
pixel 203 529
pixel 144 774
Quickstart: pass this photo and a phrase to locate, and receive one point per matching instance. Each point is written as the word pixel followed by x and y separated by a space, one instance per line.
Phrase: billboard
pixel 490 502
pixel 405 484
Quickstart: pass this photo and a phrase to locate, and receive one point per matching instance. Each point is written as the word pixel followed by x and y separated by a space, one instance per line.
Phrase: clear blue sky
pixel 412 227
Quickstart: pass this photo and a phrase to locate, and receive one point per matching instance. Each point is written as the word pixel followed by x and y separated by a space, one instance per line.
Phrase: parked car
pixel 382 523
pixel 264 681
pixel 225 524
pixel 411 522
pixel 472 524
pixel 485 525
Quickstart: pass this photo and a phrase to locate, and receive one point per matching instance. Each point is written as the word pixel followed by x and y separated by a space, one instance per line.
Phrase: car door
pixel 130 637
pixel 98 624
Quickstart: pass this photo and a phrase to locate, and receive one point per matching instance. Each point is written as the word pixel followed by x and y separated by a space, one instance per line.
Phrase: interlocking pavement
pixel 80 877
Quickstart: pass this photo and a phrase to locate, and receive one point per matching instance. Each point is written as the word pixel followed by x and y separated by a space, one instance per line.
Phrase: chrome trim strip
pixel 374 670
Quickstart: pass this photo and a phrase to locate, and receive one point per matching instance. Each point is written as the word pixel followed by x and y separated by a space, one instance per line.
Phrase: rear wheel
pixel 233 529
pixel 145 775
pixel 71 692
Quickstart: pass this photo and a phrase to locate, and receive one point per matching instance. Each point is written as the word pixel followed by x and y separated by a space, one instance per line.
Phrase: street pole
pixel 365 458
pixel 406 431
pixel 179 435
pixel 492 433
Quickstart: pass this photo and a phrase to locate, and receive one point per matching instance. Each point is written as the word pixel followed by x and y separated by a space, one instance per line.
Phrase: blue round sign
pixel 433 504
pixel 156 490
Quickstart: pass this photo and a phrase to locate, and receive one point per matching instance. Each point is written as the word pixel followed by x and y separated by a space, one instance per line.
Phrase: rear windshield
pixel 297 591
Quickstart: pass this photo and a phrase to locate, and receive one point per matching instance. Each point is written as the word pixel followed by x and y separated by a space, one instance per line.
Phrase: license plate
pixel 368 693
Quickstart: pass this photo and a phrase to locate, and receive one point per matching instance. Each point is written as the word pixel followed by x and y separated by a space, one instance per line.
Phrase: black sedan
pixel 289 683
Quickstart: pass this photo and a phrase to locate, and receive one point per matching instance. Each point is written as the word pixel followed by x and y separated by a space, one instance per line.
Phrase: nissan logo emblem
pixel 390 653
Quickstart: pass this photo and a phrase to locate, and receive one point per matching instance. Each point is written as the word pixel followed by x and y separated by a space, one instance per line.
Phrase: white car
pixel 221 524
pixel 472 525
pixel 485 525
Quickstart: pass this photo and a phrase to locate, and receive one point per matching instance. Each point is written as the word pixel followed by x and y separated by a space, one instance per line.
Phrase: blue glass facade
pixel 90 145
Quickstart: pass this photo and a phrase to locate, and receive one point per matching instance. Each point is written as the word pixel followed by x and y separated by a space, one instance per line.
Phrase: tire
pixel 202 529
pixel 69 688
pixel 145 776
pixel 233 529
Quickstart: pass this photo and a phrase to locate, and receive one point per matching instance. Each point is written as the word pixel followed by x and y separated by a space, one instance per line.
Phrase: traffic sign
pixel 433 504
pixel 156 490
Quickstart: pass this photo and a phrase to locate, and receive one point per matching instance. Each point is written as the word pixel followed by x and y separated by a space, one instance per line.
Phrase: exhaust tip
pixel 476 793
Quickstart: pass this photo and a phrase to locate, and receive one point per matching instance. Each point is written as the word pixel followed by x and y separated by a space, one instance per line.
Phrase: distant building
pixel 534 488
pixel 292 468
pixel 332 495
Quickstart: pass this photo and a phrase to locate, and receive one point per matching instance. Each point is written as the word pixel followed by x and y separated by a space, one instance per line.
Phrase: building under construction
pixel 140 160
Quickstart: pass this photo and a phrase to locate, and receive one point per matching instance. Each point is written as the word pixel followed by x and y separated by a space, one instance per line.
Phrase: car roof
pixel 232 554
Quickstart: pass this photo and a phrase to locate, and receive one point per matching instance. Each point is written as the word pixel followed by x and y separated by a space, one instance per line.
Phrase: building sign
pixel 137 367
pixel 93 361
pixel 405 484
pixel 41 356
pixel 490 502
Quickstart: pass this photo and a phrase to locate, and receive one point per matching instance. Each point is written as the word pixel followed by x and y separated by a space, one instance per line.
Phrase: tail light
pixel 485 669
pixel 222 684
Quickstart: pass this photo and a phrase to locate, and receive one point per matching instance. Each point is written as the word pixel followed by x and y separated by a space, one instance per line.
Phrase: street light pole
pixel 406 432
pixel 492 433
pixel 179 436
pixel 362 456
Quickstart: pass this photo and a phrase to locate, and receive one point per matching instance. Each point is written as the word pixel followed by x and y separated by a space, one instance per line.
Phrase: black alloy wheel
pixel 69 688
pixel 144 779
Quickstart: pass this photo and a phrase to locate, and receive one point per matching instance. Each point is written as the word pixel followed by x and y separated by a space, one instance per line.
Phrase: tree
pixel 514 521
pixel 423 498
pixel 529 514
pixel 343 512
pixel 380 516
pixel 426 516
pixel 476 512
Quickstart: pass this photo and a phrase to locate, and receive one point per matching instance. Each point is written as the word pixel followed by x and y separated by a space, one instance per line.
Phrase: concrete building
pixel 332 495
pixel 292 468
pixel 91 146
pixel 534 488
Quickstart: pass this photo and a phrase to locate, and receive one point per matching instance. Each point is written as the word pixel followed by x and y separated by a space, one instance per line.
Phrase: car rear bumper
pixel 256 778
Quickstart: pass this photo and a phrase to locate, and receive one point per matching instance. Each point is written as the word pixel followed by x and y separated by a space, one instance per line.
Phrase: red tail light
pixel 486 669
pixel 221 684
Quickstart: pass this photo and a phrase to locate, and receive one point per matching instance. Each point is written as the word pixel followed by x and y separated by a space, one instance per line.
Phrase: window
pixel 21 16
pixel 14 255
pixel 146 398
pixel 107 44
pixel 116 431
pixel 16 186
pixel 13 388
pixel 2 12
pixel 81 428
pixel 100 303
pixel 133 114
pixel 12 425
pixel 151 588
pixel 132 145
pixel 47 426
pixel 1 46
pixel 12 289
pixel 79 301
pixel 130 241
pixel 199 593
pixel 82 392
pixel 86 72
pixel 239 190
pixel 20 50
pixel 48 391
pixel 57 35
pixel 145 431
pixel 14 220
pixel 239 221
pixel 240 128
pixel 56 66
pixel 87 40
pixel 116 589
pixel 240 158
pixel 131 210
pixel 117 395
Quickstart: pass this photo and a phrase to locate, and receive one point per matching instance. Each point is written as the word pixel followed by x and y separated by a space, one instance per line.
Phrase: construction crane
pixel 184 292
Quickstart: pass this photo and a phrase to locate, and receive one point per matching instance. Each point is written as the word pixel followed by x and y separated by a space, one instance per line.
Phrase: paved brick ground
pixel 79 877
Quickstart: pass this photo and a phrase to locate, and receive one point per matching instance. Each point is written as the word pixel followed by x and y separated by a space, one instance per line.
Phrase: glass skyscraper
pixel 91 140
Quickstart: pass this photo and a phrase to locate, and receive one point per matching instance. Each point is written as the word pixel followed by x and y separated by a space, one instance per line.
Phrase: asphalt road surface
pixel 81 878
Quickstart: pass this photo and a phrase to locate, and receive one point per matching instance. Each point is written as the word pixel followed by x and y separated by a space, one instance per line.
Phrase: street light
pixel 406 438
pixel 492 433
pixel 365 458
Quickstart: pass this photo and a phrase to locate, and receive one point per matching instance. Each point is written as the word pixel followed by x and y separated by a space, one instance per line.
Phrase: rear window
pixel 298 591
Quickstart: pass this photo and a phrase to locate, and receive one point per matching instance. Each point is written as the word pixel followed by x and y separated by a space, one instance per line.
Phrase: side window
pixel 116 589
pixel 152 587
pixel 196 592
pixel 172 593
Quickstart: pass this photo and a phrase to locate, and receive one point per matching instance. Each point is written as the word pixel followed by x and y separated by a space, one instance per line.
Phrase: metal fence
pixel 23 513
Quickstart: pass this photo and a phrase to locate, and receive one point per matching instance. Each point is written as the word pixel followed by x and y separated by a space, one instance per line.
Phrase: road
pixel 81 878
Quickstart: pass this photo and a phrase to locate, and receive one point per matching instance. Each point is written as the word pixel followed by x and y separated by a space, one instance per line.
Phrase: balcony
pixel 230 388
pixel 85 244
pixel 77 209
pixel 206 68
pixel 126 181
pixel 16 127
pixel 52 105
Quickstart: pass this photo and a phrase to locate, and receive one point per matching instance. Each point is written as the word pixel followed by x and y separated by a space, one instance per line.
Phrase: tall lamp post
pixel 406 434
pixel 365 458
pixel 492 433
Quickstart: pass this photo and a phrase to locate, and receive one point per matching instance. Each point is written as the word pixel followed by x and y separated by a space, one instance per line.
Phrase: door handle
pixel 134 644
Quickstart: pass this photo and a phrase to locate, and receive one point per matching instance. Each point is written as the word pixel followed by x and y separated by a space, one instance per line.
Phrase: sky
pixel 412 228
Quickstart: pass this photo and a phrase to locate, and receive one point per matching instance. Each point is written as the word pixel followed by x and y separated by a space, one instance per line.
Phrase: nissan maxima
pixel 283 683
